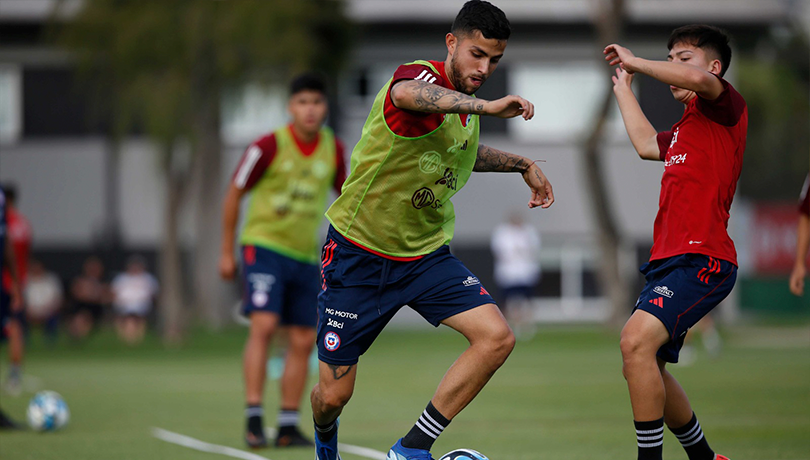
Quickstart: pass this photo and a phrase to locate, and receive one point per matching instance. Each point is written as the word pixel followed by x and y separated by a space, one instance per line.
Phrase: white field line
pixel 373 454
pixel 362 451
pixel 196 444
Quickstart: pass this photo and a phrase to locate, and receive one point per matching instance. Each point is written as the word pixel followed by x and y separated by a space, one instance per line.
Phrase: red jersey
pixel 252 167
pixel 20 234
pixel 702 157
pixel 804 198
pixel 409 123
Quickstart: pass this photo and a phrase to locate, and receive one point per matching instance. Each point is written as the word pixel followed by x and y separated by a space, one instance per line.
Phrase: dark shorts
pixel 361 292
pixel 518 292
pixel 6 315
pixel 681 290
pixel 278 284
pixel 95 310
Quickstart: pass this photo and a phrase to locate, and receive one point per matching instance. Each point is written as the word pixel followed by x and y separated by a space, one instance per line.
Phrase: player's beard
pixel 458 79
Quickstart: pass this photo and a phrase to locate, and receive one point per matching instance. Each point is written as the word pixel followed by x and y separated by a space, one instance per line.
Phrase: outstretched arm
pixel 494 160
pixel 685 76
pixel 641 131
pixel 421 96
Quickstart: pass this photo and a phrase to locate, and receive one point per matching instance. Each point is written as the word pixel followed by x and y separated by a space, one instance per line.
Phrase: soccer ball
pixel 463 454
pixel 47 411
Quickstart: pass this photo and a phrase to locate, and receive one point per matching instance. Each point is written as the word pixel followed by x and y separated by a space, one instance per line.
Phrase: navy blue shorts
pixel 681 290
pixel 6 315
pixel 517 292
pixel 361 292
pixel 278 284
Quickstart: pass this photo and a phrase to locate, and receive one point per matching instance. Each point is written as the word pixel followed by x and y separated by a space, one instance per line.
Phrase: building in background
pixel 83 200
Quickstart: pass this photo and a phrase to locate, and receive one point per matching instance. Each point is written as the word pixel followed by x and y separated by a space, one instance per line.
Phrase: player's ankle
pixel 426 429
pixel 650 437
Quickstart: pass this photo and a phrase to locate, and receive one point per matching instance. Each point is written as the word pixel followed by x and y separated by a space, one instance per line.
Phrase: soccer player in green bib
pixel 288 174
pixel 388 243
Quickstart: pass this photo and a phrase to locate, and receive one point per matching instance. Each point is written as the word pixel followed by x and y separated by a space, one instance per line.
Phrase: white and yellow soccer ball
pixel 47 411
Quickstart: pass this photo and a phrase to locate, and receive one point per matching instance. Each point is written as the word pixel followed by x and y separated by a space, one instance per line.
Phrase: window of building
pixel 566 97
pixel 10 104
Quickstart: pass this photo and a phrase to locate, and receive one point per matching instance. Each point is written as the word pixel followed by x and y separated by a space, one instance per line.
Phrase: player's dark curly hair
pixel 707 38
pixel 309 81
pixel 483 16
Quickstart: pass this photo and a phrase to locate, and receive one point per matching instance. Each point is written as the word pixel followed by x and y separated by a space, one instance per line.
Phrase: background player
pixel 693 264
pixel 19 236
pixel 11 298
pixel 802 241
pixel 515 247
pixel 391 225
pixel 288 174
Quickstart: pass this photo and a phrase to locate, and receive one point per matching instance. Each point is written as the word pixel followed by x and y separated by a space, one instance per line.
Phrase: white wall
pixel 60 188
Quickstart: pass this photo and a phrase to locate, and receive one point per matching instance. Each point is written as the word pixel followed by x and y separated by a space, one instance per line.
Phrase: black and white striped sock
pixel 253 414
pixel 287 417
pixel 693 441
pixel 326 432
pixel 650 437
pixel 426 429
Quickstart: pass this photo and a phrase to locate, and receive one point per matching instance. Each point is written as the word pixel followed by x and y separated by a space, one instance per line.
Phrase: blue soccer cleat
pixel 399 452
pixel 327 450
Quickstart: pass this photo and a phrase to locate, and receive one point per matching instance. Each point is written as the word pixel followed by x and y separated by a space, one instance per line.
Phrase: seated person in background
pixel 90 293
pixel 43 299
pixel 133 296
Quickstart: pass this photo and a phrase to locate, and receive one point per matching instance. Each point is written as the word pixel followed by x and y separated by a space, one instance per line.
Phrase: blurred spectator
pixel 516 248
pixel 134 292
pixel 44 297
pixel 709 336
pixel 90 294
pixel 802 241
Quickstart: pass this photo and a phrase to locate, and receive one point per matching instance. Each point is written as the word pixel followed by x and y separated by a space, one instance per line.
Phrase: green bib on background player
pixel 286 204
pixel 396 200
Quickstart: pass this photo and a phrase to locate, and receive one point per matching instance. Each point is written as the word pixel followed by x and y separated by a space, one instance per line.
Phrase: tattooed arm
pixel 494 160
pixel 421 96
pixel 490 159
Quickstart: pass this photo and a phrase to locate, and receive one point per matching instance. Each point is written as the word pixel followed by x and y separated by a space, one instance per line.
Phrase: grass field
pixel 559 396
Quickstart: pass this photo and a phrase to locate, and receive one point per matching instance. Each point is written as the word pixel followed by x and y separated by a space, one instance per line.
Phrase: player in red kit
pixel 19 236
pixel 693 264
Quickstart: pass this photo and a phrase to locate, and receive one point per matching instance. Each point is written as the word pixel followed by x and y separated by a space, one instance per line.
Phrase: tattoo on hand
pixel 436 99
pixel 338 372
pixel 494 160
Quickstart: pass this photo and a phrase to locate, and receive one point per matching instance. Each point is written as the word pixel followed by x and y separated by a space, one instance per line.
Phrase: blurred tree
pixel 611 274
pixel 160 67
pixel 775 81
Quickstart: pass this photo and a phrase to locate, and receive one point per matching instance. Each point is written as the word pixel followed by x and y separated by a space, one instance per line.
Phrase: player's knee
pixel 501 342
pixel 334 396
pixel 508 342
pixel 303 340
pixel 634 346
pixel 262 327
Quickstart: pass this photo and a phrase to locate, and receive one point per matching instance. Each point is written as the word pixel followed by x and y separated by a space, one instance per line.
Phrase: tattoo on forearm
pixel 538 176
pixel 494 160
pixel 436 99
pixel 338 372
